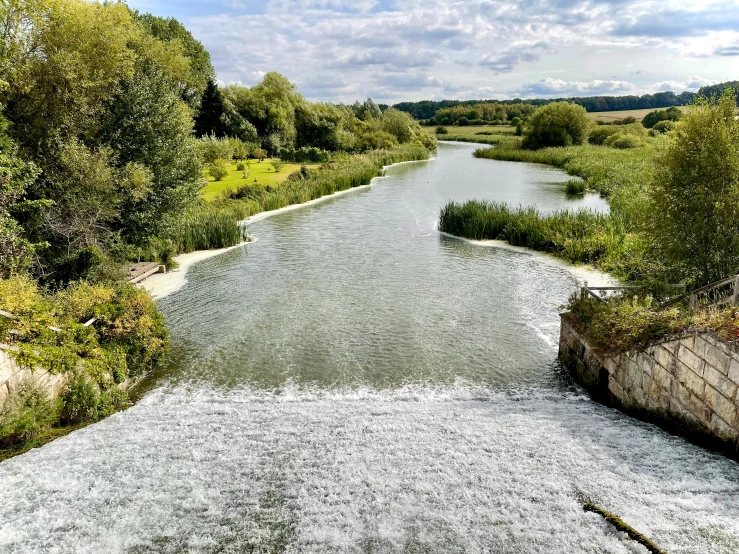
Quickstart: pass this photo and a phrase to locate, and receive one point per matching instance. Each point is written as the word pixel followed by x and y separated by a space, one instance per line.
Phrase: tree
pixel 556 124
pixel 695 195
pixel 208 120
pixel 652 118
pixel 200 69
pixel 15 176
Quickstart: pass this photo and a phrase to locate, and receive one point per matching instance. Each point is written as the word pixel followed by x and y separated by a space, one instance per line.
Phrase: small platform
pixel 139 271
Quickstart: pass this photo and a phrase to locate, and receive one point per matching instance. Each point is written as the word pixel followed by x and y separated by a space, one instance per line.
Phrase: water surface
pixel 355 382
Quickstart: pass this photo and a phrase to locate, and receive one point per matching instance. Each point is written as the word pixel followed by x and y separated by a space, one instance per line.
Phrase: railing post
pixel 735 296
pixel 693 299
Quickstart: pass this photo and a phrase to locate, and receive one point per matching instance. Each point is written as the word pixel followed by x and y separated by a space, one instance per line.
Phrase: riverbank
pixel 583 273
pixel 163 284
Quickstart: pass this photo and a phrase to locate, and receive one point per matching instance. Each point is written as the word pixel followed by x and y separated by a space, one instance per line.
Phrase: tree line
pixel 428 109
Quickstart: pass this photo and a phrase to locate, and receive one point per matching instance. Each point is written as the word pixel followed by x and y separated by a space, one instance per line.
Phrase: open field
pixel 262 171
pixel 612 116
pixel 474 129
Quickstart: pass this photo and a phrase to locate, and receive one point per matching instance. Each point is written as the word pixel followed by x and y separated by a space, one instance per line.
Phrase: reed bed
pixel 581 236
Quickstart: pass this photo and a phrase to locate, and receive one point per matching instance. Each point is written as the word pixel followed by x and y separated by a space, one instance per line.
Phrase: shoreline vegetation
pixel 140 156
pixel 672 190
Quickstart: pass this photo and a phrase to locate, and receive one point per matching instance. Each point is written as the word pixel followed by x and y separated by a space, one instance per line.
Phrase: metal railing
pixel 8 315
pixel 721 293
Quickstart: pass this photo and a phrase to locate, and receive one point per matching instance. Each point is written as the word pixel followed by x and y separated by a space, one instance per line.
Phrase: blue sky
pixel 395 50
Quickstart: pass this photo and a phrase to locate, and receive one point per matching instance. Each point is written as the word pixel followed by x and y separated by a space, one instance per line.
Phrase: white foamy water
pixel 413 470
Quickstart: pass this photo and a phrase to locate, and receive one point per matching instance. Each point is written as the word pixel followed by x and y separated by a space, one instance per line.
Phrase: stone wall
pixel 686 384
pixel 12 375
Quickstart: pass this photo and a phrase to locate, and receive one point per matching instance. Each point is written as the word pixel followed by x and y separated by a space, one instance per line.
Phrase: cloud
pixel 509 58
pixel 692 84
pixel 727 51
pixel 671 23
pixel 558 87
pixel 455 47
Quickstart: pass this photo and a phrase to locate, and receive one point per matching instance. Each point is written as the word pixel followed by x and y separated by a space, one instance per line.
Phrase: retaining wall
pixel 687 384
pixel 12 375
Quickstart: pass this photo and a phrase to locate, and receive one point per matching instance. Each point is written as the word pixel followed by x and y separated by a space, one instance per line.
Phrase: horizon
pixel 396 51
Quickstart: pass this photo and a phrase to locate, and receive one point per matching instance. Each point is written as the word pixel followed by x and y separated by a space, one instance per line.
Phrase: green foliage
pixel 556 124
pixel 84 400
pixel 652 118
pixel 171 32
pixel 240 167
pixel 600 134
pixel 206 227
pixel 306 154
pixel 575 186
pixel 623 141
pixel 440 130
pixel 696 193
pixel 577 236
pixel 25 413
pixel 218 169
pixel 211 148
pixel 664 127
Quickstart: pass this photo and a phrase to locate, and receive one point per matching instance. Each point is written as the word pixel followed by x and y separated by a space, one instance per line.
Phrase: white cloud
pixel 415 49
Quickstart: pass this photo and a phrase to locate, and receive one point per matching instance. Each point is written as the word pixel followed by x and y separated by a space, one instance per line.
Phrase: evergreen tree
pixel 209 120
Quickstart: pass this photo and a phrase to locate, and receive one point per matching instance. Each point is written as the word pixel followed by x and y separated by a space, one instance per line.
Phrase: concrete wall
pixel 12 375
pixel 687 384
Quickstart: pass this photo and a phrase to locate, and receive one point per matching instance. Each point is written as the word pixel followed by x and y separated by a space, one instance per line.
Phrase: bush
pixel 623 141
pixel 210 148
pixel 463 121
pixel 26 412
pixel 305 154
pixel 599 135
pixel 652 118
pixel 515 121
pixel 218 169
pixel 664 127
pixel 260 154
pixel 84 400
pixel 277 165
pixel 556 124
pixel 240 167
pixel 440 130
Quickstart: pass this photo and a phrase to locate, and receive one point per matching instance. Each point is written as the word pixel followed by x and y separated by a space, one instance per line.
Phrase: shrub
pixel 240 149
pixel 277 165
pixel 210 148
pixel 84 400
pixel 664 127
pixel 515 121
pixel 556 124
pixel 260 154
pixel 440 130
pixel 463 121
pixel 218 169
pixel 26 412
pixel 623 141
pixel 654 117
pixel 599 135
pixel 305 154
pixel 519 129
pixel 240 167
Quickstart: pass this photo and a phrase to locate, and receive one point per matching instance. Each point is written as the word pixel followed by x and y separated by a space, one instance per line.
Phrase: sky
pixel 409 50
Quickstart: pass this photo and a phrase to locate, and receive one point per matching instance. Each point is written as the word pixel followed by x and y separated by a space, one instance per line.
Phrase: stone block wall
pixel 686 384
pixel 12 375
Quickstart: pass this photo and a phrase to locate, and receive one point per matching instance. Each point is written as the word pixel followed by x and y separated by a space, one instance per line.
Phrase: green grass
pixel 581 236
pixel 43 437
pixel 262 171
pixel 619 175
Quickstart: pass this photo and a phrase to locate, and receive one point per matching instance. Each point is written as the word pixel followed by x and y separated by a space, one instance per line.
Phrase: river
pixel 353 381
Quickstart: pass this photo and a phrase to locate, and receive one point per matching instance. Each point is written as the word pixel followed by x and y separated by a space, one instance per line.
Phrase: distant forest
pixel 426 109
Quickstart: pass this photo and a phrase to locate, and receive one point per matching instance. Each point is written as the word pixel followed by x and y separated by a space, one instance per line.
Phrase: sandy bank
pixel 162 284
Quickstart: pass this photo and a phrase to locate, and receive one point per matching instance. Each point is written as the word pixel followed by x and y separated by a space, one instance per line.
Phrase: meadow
pixel 472 130
pixel 262 173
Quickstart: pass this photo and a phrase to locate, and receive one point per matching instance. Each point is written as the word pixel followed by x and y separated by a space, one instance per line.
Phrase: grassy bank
pixel 263 173
pixel 215 224
pixel 576 236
